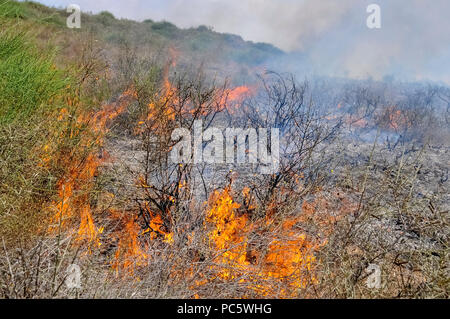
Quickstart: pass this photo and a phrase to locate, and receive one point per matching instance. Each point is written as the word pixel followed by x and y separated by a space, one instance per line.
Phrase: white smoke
pixel 413 43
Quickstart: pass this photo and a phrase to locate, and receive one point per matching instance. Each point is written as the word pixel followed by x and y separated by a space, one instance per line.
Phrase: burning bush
pixel 86 178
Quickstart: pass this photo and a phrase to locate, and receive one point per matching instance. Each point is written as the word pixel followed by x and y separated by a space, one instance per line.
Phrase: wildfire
pixel 74 187
pixel 161 108
pixel 397 119
pixel 156 226
pixel 356 121
pixel 129 253
pixel 288 255
pixel 229 233
pixel 258 253
pixel 174 54
pixel 87 230
pixel 166 105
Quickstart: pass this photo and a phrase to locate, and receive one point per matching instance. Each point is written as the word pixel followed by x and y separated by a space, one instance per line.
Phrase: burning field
pixel 320 188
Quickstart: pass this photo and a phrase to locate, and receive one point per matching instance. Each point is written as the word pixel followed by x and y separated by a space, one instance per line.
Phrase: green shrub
pixel 28 78
pixel 107 15
pixel 165 28
pixel 13 9
pixel 106 18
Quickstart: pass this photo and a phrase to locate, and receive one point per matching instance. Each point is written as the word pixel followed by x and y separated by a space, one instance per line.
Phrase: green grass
pixel 29 10
pixel 28 78
pixel 31 94
pixel 13 9
pixel 193 41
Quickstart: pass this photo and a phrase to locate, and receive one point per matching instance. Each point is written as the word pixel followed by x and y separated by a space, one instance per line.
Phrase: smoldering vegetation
pixel 362 181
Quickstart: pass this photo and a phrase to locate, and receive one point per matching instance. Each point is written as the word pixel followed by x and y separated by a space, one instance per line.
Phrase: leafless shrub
pixel 285 104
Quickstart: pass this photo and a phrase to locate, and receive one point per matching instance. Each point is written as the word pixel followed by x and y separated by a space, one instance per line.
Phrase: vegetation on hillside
pixel 86 121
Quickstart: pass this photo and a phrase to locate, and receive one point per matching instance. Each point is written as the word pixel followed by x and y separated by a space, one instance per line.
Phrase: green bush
pixel 165 28
pixel 106 18
pixel 28 78
pixel 13 9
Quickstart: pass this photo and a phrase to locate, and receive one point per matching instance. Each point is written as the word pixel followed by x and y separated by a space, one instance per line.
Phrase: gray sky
pixel 413 43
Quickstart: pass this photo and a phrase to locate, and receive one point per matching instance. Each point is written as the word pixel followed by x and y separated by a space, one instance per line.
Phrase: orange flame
pixel 229 231
pixel 156 226
pixel 129 253
pixel 397 119
pixel 233 98
pixel 289 257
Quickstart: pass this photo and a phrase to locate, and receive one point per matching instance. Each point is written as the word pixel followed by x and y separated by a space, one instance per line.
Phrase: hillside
pixel 196 45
